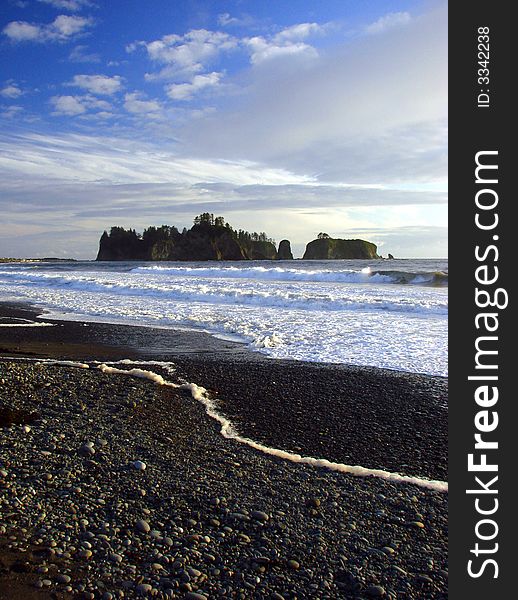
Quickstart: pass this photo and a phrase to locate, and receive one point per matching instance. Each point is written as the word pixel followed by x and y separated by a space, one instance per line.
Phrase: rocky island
pixel 211 238
pixel 326 248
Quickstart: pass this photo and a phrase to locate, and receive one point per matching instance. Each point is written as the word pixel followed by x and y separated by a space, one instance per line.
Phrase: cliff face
pixel 261 251
pixel 330 248
pixel 284 252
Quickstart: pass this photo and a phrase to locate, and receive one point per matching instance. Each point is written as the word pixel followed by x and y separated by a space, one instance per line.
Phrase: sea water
pixel 384 313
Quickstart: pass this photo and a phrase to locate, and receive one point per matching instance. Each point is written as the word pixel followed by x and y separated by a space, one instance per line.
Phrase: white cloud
pixel 11 90
pixel 136 104
pixel 185 91
pixel 262 50
pixel 20 31
pixel 377 104
pixel 63 28
pixel 66 26
pixel 186 54
pixel 388 21
pixel 67 105
pixel 79 105
pixel 70 5
pixel 285 43
pixel 298 32
pixel 97 181
pixel 98 84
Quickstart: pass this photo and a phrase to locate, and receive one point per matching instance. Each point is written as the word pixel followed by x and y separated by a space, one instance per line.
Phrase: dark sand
pixel 372 417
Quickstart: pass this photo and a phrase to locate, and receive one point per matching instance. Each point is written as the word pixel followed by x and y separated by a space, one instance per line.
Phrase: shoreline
pixel 379 417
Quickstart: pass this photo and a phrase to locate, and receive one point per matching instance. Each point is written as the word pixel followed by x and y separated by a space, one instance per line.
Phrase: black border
pixel 472 129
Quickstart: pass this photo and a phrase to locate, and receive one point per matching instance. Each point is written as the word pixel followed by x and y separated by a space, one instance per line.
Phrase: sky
pixel 294 118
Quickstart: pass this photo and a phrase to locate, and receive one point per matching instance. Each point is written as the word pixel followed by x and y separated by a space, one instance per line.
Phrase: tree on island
pixel 323 236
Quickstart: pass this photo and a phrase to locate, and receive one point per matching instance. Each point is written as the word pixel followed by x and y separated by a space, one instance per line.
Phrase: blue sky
pixel 292 117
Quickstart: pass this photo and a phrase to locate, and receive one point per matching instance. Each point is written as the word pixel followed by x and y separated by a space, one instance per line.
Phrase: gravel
pixel 207 517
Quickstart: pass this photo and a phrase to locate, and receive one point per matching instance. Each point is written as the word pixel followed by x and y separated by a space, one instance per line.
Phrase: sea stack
pixel 284 252
pixel 325 248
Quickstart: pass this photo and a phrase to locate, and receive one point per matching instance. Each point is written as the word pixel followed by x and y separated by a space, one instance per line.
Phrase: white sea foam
pixel 363 275
pixel 30 324
pixel 228 431
pixel 300 311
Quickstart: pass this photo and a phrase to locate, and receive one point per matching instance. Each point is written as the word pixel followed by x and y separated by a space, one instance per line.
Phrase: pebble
pixel 143 526
pixel 375 591
pixel 187 531
pixel 139 465
pixel 258 515
pixel 115 558
pixel 86 450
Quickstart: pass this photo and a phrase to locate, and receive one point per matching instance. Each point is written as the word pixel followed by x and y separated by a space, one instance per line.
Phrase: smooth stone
pixel 139 465
pixel 293 564
pixel 143 526
pixel 61 578
pixel 86 450
pixel 116 558
pixel 259 515
pixel 85 554
pixel 375 591
pixel 143 588
pixel 195 596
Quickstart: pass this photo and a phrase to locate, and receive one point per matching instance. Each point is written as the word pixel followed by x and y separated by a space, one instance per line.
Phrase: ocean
pixel 391 314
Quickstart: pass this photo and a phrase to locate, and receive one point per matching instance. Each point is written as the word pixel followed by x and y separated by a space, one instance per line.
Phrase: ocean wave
pixel 366 275
pixel 306 298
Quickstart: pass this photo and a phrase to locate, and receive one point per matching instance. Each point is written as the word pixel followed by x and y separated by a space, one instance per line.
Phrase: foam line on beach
pixel 29 324
pixel 229 432
pixel 48 361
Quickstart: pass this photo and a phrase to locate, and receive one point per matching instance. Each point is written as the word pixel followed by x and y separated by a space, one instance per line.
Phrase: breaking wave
pixel 366 275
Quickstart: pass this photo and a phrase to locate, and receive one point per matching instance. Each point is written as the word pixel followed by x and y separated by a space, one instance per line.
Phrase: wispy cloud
pixel 70 5
pixel 62 29
pixel 227 20
pixel 10 112
pixel 388 21
pixel 80 54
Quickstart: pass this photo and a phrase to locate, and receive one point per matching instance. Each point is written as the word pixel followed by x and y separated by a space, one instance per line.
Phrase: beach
pixel 210 516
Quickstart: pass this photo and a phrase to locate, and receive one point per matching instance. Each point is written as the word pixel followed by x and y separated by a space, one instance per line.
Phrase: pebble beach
pixel 112 486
